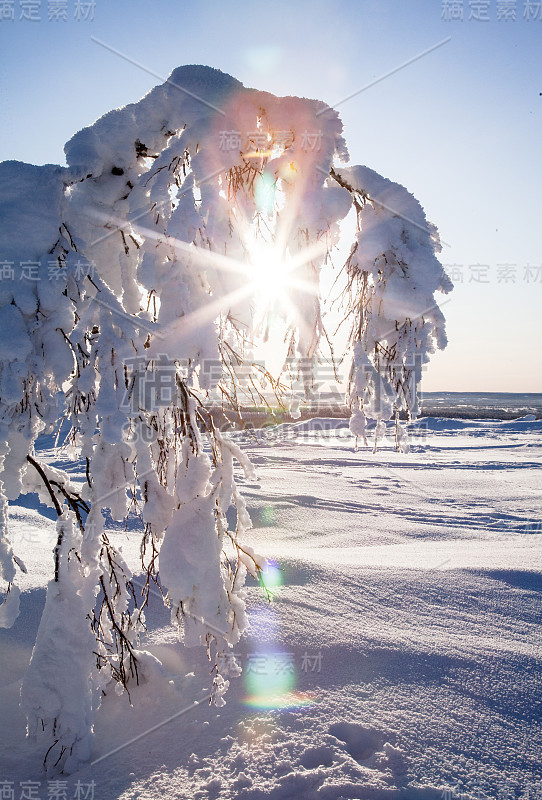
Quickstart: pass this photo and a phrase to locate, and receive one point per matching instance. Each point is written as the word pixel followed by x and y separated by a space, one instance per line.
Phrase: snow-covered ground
pixel 399 658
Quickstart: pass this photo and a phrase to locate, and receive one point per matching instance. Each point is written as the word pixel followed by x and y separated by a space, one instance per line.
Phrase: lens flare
pixel 271 577
pixel 285 702
pixel 267 516
pixel 270 674
pixel 264 193
pixel 270 679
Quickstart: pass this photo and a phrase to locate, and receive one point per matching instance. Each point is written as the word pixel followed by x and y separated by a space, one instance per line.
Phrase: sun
pixel 269 271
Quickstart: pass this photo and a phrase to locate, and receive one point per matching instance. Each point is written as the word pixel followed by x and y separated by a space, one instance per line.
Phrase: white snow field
pixel 400 656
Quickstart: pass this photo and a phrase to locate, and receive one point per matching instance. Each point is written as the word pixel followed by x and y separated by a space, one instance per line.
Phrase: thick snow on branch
pixel 394 271
pixel 128 274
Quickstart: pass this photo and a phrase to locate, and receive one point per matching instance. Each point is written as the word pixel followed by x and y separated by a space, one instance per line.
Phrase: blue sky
pixel 459 127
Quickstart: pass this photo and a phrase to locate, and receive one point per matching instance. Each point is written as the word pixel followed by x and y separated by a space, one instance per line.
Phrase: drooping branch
pixel 158 234
pixel 46 482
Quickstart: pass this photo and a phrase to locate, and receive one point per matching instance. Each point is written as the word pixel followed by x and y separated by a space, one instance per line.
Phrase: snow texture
pixel 416 577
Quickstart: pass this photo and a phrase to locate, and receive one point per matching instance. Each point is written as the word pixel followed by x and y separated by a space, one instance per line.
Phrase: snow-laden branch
pixel 137 282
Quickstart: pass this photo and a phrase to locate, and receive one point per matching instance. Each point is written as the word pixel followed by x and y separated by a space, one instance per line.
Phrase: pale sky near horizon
pixel 460 127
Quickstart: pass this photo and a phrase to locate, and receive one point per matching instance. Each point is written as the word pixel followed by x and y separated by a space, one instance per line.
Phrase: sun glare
pixel 269 272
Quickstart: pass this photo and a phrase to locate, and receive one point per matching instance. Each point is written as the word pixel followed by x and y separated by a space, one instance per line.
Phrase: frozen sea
pixel 456 405
pixel 476 405
pixel 400 656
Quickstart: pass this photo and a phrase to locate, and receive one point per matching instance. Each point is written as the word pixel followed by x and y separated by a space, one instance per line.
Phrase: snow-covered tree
pixel 136 284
